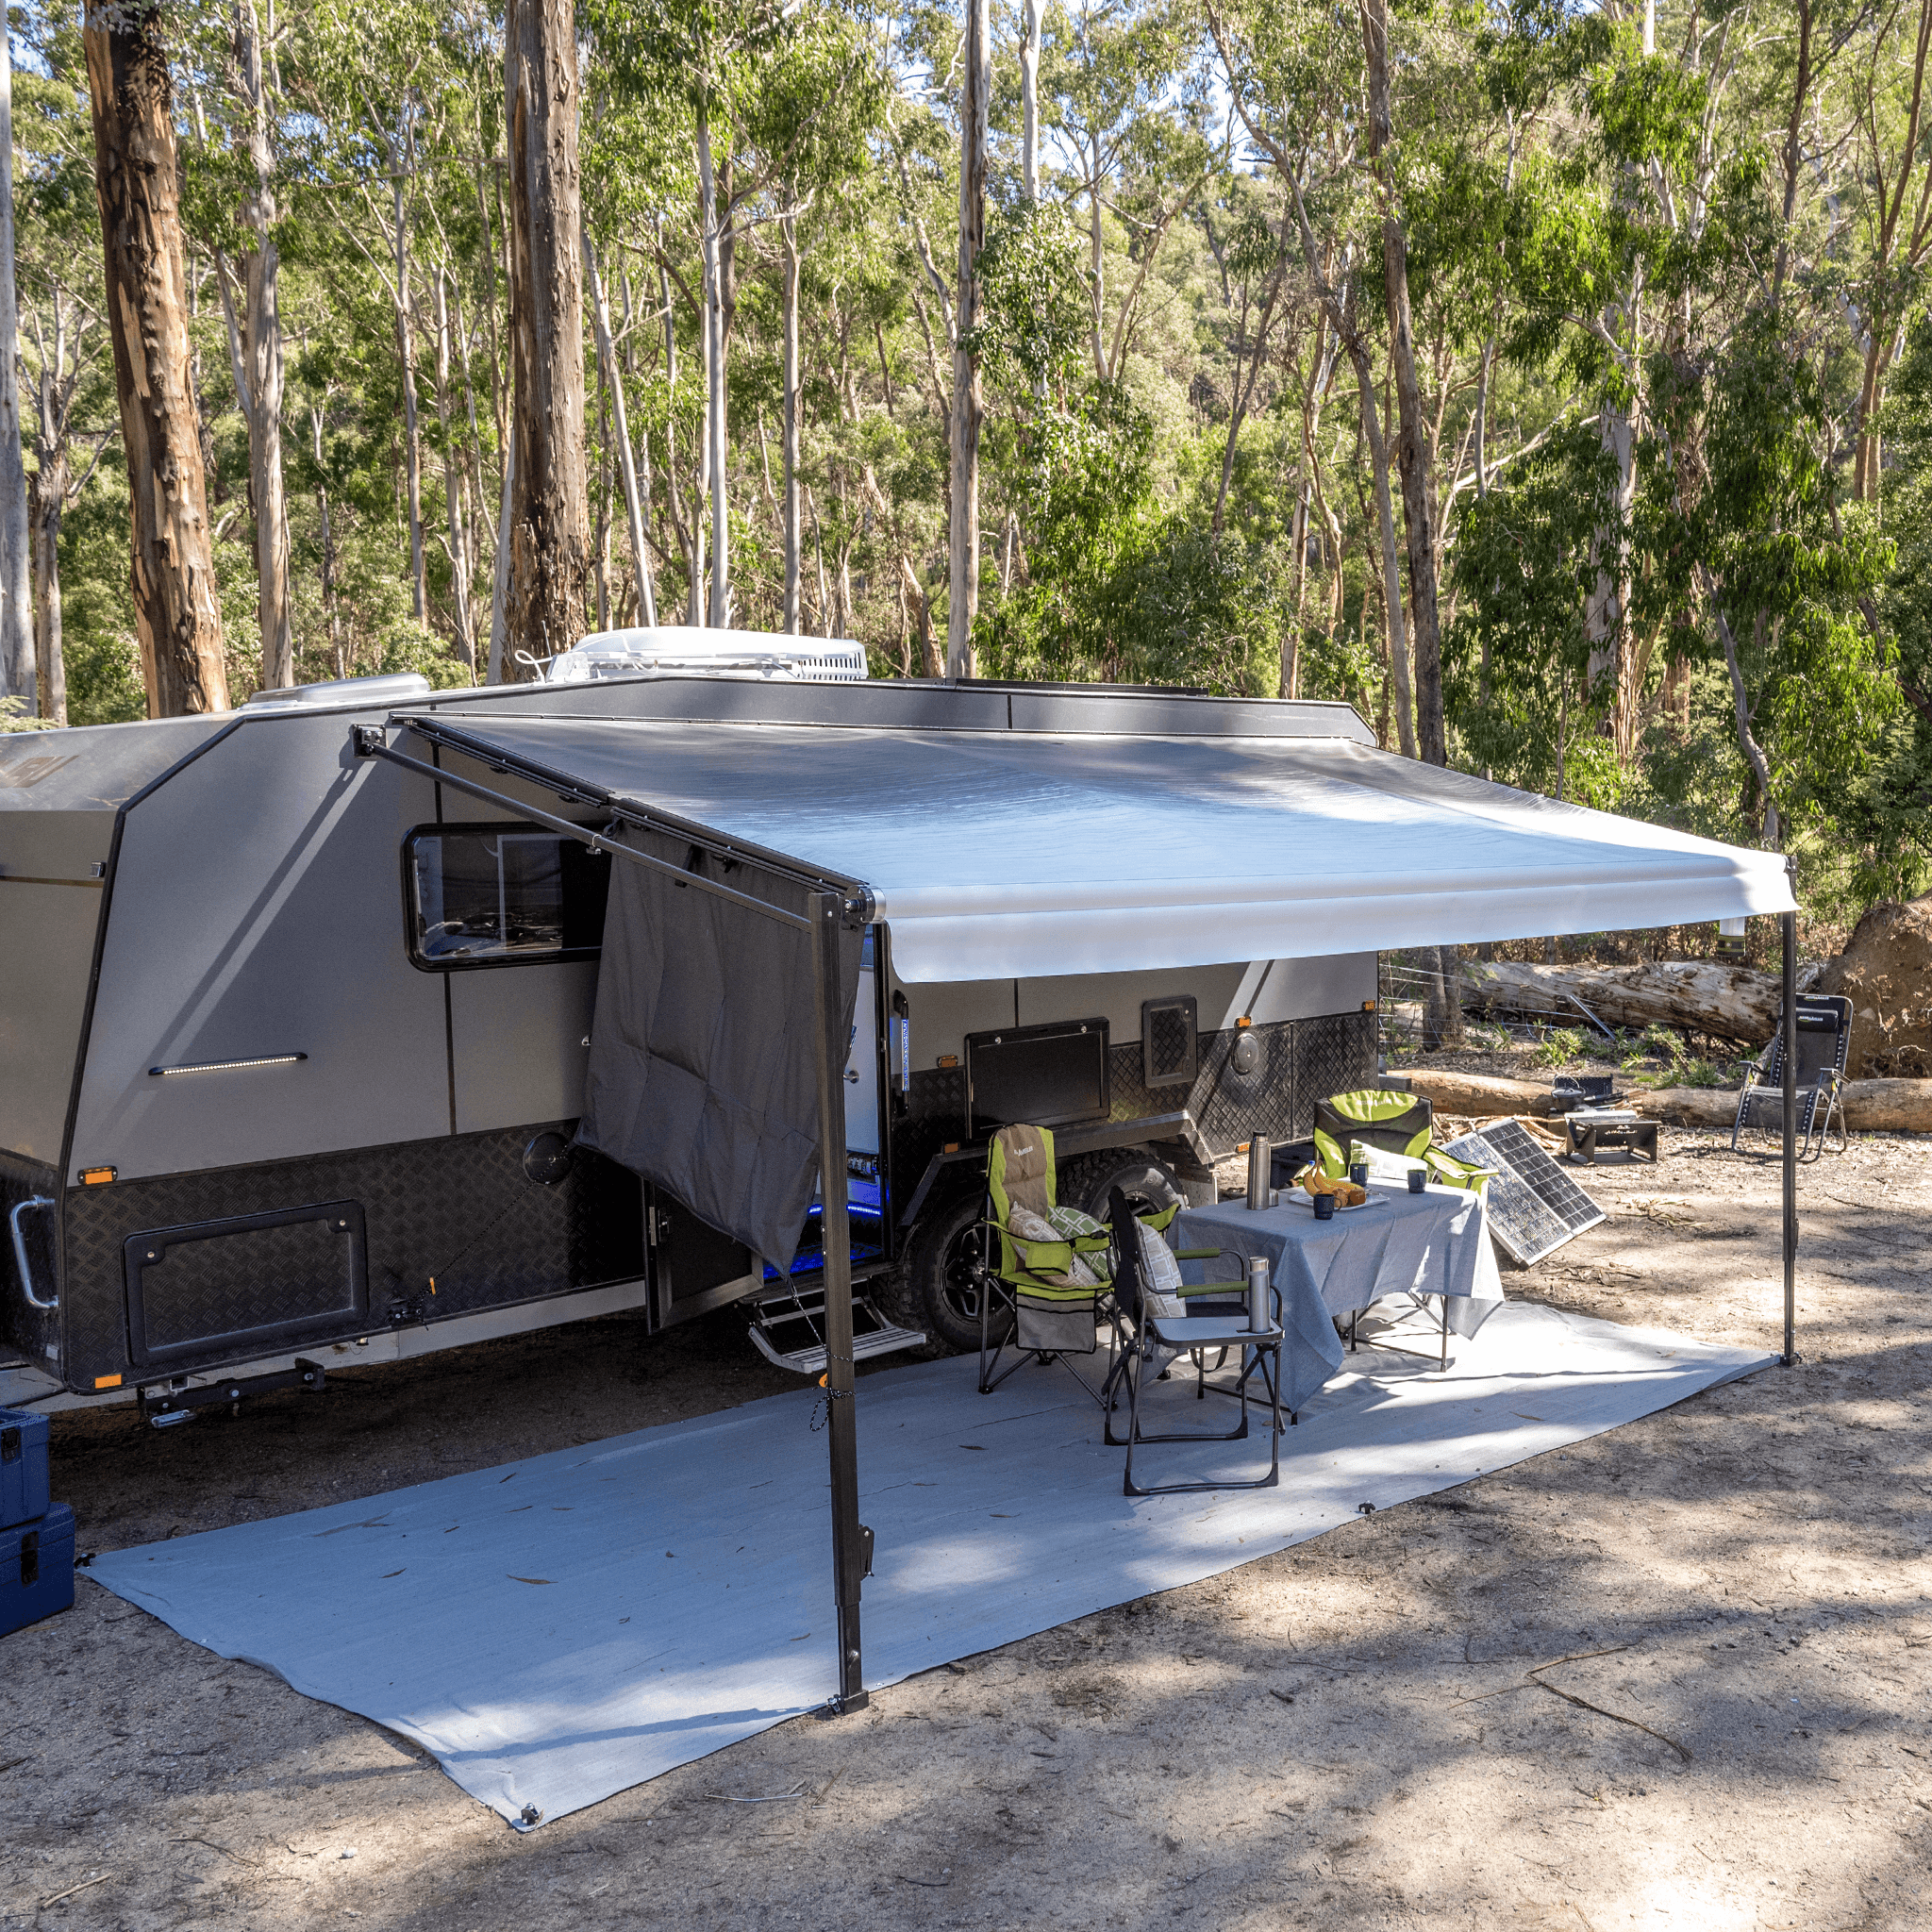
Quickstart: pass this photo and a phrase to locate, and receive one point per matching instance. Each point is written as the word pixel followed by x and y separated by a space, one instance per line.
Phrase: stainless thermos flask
pixel 1261 1315
pixel 1260 1171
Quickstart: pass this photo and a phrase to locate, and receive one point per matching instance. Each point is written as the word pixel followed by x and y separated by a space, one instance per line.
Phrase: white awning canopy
pixel 1012 855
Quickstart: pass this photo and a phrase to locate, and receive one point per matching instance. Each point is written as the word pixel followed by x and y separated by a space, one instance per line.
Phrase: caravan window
pixel 502 896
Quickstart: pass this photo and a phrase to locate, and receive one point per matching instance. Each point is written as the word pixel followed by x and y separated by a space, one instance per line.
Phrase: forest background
pixel 1554 383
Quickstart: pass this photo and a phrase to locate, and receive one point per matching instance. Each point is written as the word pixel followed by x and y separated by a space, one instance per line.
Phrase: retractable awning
pixel 1010 855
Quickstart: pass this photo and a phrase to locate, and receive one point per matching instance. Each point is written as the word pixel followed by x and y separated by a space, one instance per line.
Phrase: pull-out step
pixel 789 1329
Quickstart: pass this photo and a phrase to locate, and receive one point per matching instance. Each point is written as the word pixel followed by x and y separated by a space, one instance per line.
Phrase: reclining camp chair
pixel 1052 1277
pixel 1187 1321
pixel 1399 1123
pixel 1825 1042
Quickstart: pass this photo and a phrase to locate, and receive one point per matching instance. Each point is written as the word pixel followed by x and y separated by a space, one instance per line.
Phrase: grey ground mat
pixel 558 1629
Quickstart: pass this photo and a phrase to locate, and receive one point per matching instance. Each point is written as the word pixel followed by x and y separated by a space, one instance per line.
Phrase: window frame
pixel 515 827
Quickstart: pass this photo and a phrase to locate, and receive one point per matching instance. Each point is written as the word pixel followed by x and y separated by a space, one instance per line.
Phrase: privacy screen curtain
pixel 702 1074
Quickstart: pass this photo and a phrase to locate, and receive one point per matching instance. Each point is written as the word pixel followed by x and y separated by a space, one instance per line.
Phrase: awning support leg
pixel 850 1540
pixel 1788 932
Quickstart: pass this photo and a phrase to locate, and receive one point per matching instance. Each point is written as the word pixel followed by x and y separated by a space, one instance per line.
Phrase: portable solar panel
pixel 1533 1206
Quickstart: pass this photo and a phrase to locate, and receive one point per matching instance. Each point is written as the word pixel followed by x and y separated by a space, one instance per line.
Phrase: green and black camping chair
pixel 1048 1284
pixel 1049 1273
pixel 1399 1123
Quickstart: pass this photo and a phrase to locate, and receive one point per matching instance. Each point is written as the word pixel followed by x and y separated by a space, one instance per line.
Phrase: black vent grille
pixel 1170 1041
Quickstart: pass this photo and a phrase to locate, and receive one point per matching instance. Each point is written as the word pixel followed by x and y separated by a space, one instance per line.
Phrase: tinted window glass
pixel 501 896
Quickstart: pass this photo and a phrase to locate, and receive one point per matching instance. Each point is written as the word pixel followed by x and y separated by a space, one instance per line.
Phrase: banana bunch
pixel 1346 1192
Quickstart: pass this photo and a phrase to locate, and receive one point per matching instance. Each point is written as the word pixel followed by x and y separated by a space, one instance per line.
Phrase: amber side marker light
pixel 94 1176
pixel 106 1381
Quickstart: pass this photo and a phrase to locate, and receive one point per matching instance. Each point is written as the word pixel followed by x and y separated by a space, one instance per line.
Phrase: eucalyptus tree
pixel 550 549
pixel 176 605
pixel 17 674
pixel 233 178
pixel 1296 89
pixel 814 118
pixel 702 60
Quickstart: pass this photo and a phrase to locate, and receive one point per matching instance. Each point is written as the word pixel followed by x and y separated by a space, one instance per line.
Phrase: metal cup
pixel 1258 1312
pixel 1324 1207
pixel 1418 1179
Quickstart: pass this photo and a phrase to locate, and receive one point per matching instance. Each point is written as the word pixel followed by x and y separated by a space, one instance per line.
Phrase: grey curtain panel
pixel 702 1074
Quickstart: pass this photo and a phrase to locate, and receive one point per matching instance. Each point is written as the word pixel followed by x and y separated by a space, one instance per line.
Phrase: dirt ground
pixel 1677 1675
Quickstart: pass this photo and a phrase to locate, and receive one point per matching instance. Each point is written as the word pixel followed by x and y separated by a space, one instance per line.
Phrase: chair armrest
pixel 1046 1257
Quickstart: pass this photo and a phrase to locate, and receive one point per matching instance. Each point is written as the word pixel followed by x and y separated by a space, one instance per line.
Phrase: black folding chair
pixel 1224 1328
pixel 1824 1041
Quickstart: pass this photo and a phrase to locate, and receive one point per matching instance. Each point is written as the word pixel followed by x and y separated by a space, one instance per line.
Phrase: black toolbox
pixel 22 1466
pixel 36 1569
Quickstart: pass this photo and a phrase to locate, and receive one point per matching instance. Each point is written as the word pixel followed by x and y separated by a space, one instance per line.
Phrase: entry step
pixel 787 1328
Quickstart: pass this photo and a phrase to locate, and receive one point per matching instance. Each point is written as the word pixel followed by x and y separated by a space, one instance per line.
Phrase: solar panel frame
pixel 1532 1206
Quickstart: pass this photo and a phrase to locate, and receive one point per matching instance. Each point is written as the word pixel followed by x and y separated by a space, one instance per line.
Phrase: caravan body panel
pixel 255 913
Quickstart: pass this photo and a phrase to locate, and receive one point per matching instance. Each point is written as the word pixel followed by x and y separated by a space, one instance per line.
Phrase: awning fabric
pixel 703 1074
pixel 1007 855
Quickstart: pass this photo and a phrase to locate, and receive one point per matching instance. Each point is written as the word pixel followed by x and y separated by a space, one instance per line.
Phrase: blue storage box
pixel 36 1569
pixel 22 1466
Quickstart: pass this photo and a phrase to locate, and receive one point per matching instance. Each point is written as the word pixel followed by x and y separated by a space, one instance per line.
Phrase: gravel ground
pixel 1677 1675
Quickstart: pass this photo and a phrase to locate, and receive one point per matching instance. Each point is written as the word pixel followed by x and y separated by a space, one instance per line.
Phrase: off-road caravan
pixel 293 1040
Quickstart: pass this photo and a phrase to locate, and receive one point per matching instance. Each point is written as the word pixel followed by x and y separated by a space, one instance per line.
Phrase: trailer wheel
pixel 1146 1180
pixel 939 1290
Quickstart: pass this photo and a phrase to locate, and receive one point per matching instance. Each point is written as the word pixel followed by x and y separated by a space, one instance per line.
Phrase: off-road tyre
pixel 1147 1181
pixel 935 1291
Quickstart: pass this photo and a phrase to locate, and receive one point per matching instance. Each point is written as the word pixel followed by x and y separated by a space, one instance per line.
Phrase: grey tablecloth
pixel 1434 1242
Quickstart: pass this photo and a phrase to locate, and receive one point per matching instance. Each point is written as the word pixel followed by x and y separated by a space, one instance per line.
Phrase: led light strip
pixel 271 1060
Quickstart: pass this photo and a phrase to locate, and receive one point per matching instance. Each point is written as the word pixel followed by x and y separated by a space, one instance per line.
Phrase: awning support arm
pixel 372 743
pixel 851 1539
pixel 646 816
pixel 1788 933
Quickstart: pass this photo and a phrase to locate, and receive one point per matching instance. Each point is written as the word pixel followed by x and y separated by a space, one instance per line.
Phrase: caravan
pixel 299 999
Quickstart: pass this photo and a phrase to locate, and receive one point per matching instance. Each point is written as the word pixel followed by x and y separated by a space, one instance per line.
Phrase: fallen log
pixel 1482 1096
pixel 1694 995
pixel 1871 1106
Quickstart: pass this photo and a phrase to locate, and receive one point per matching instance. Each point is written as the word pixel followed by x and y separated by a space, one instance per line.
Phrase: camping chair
pixel 1825 1042
pixel 1396 1123
pixel 1052 1280
pixel 1166 1323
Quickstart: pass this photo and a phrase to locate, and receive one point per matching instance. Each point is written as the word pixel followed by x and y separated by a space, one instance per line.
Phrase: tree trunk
pixel 627 460
pixel 1029 100
pixel 1693 995
pixel 331 602
pixel 788 238
pixel 550 525
pixel 1871 1107
pixel 412 430
pixel 969 406
pixel 499 592
pixel 600 530
pixel 261 362
pixel 453 493
pixel 49 501
pixel 17 674
pixel 177 614
pixel 1391 569
pixel 691 538
pixel 1418 476
pixel 717 442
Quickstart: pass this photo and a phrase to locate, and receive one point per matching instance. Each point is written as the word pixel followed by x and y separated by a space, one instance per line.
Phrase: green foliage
pixel 1558 1047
